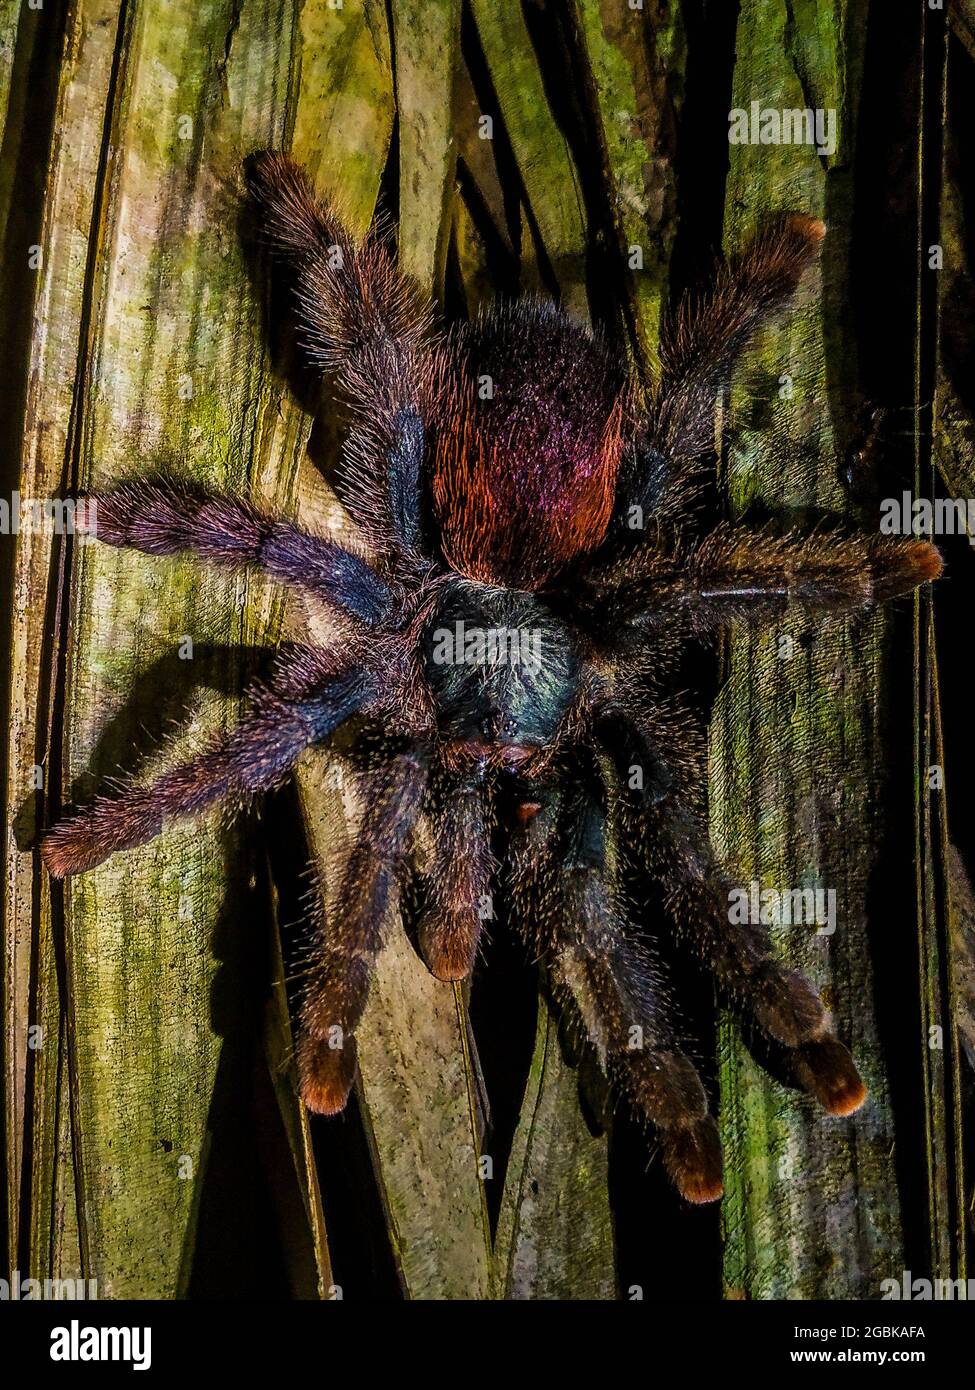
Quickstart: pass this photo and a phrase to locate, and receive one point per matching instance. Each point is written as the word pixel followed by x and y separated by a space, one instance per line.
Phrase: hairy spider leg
pixel 737 575
pixel 569 916
pixel 351 934
pixel 449 928
pixel 164 517
pixel 740 956
pixel 358 319
pixel 698 348
pixel 253 757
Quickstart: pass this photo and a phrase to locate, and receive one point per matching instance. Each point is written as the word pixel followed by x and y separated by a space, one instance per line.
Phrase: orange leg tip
pixel 327 1075
pixel 927 562
pixel 692 1157
pixel 849 1103
pixel 701 1193
pixel 813 228
pixel 323 1100
pixel 449 972
pixel 826 1069
pixel 449 954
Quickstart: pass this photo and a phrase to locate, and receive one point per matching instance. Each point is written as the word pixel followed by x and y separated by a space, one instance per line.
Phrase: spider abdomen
pixel 529 416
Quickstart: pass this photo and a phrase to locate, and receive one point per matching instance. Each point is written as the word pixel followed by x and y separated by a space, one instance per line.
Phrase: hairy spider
pixel 534 562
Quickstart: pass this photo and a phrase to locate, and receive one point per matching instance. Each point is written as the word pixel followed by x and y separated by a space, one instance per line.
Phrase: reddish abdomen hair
pixel 528 432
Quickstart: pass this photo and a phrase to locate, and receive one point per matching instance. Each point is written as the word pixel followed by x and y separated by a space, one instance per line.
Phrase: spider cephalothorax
pixel 535 559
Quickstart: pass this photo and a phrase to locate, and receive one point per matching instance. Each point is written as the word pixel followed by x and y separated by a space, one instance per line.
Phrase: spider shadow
pixel 159 703
pixel 506 993
pixel 771 1057
pixel 274 287
pixel 274 284
pixel 245 1164
pixel 596 1100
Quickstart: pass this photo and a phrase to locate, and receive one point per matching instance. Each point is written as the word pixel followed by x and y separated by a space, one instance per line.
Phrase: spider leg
pixel 253 757
pixel 740 575
pixel 782 1001
pixel 698 348
pixel 571 919
pixel 359 320
pixel 449 928
pixel 352 935
pixel 161 517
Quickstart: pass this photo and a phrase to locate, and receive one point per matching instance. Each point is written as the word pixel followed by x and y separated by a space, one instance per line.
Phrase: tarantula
pixel 533 559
